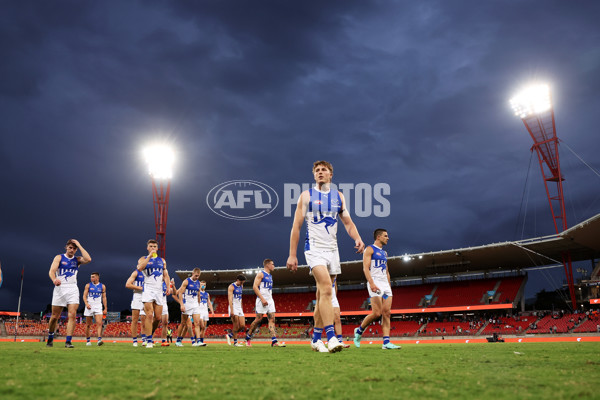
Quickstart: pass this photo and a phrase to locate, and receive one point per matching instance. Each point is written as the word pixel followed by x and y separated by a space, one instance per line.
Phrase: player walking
pixel 263 287
pixel 321 209
pixel 94 296
pixel 190 306
pixel 379 287
pixel 155 272
pixel 234 296
pixel 63 274
pixel 205 304
pixel 135 282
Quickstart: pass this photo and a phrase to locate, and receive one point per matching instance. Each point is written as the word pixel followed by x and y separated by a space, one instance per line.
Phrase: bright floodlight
pixel 160 159
pixel 406 258
pixel 532 100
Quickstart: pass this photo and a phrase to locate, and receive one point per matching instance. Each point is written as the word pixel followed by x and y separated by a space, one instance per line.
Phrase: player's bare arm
pixel 166 277
pixel 350 227
pixel 53 269
pixel 129 284
pixel 368 253
pixel 212 311
pixel 143 261
pixel 174 292
pixel 230 299
pixel 256 288
pixel 85 296
pixel 104 298
pixel 180 295
pixel 85 257
pixel 292 261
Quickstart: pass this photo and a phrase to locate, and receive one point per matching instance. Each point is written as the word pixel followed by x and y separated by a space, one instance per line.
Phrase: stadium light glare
pixel 160 159
pixel 534 99
pixel 406 258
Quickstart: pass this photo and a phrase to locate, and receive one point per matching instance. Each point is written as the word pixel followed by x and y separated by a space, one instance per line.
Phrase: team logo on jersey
pixel 64 263
pixel 317 202
pixel 328 221
pixel 157 273
pixel 242 199
pixel 67 274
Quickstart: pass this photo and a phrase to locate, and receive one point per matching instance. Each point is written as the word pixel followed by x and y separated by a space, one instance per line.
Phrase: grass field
pixel 119 371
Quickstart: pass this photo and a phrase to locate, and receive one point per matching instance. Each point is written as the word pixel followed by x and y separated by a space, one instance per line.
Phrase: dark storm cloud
pixel 413 94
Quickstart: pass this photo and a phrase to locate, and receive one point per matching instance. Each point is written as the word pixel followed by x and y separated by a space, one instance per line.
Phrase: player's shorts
pixel 204 313
pixel 385 290
pixel 334 300
pixel 149 295
pixel 165 308
pixel 136 302
pixel 142 312
pixel 269 308
pixel 189 310
pixel 64 295
pixel 95 310
pixel 328 258
pixel 237 310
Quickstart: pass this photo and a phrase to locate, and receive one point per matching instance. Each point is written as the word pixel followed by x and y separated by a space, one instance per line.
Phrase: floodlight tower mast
pixel 160 164
pixel 534 106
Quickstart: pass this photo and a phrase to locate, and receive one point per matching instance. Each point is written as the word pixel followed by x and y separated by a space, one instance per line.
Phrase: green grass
pixel 119 371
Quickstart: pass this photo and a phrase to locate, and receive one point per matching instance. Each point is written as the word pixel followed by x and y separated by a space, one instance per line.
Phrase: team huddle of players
pixel 319 207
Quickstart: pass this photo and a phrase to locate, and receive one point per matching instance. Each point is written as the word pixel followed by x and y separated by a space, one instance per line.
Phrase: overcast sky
pixel 410 94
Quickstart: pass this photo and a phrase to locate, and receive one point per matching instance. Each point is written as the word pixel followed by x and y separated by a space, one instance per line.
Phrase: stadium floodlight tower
pixel 160 159
pixel 534 106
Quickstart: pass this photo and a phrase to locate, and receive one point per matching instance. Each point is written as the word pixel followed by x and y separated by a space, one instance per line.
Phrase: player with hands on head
pixel 63 274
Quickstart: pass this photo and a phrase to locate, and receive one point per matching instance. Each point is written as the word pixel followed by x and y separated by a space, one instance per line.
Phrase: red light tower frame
pixel 542 129
pixel 160 197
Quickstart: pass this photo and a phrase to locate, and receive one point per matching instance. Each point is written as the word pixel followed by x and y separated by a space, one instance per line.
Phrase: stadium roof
pixel 582 241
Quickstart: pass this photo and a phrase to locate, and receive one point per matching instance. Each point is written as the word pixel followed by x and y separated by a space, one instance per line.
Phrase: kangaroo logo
pixel 67 274
pixel 328 221
pixel 157 274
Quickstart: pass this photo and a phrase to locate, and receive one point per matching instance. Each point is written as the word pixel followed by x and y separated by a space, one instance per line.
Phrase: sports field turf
pixel 472 371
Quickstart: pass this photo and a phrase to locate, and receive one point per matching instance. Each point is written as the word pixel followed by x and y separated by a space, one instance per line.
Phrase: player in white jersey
pixel 379 287
pixel 236 312
pixel 263 288
pixel 205 304
pixel 135 282
pixel 187 296
pixel 155 273
pixel 181 329
pixel 321 207
pixel 63 274
pixel 94 296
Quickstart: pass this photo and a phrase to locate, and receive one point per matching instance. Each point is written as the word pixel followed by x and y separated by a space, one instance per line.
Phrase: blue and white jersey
pixel 164 288
pixel 237 294
pixel 67 270
pixel 139 282
pixel 266 285
pixel 154 274
pixel 378 268
pixel 321 220
pixel 94 296
pixel 203 298
pixel 190 295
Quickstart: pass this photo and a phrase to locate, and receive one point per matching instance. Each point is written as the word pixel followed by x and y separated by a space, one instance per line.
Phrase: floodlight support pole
pixel 542 129
pixel 160 197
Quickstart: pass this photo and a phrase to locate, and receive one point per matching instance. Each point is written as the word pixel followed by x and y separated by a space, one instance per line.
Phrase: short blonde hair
pixel 324 163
